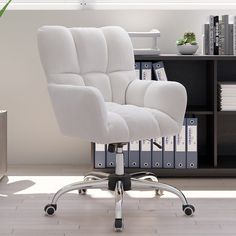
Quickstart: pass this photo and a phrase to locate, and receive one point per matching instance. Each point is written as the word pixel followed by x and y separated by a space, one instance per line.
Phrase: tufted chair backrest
pixel 98 57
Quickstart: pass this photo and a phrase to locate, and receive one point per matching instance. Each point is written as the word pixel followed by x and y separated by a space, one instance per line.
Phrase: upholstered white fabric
pixel 95 95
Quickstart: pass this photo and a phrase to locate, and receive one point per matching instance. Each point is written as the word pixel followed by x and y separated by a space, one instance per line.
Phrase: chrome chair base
pixel 119 182
pixel 139 181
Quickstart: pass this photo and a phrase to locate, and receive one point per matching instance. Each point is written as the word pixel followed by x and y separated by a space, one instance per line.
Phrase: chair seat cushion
pixel 130 122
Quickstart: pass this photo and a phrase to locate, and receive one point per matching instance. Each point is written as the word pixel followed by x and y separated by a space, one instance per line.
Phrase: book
pixel 206 39
pixel 110 158
pixel 126 155
pixel 99 155
pixel 180 148
pixel 225 22
pixel 216 35
pixel 192 153
pixel 157 153
pixel 159 71
pixel 231 39
pixel 134 154
pixel 146 154
pixel 211 35
pixel 234 36
pixel 146 70
pixel 168 152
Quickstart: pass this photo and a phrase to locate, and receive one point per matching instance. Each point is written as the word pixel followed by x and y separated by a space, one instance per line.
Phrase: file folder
pixel 111 158
pixel 159 70
pixel 168 154
pixel 180 148
pixel 126 155
pixel 157 153
pixel 134 159
pixel 99 155
pixel 137 67
pixel 146 70
pixel 146 154
pixel 192 143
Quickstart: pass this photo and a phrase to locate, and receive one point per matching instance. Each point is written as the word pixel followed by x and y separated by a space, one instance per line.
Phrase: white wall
pixel 33 133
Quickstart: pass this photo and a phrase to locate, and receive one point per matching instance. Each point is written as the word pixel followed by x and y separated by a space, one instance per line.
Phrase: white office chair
pixel 95 96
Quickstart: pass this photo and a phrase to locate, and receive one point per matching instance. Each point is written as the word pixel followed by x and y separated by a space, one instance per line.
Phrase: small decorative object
pixel 154 35
pixel 187 45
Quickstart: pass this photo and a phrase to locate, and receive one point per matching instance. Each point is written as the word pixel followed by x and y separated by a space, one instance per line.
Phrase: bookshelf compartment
pixel 226 70
pixel 194 76
pixel 227 140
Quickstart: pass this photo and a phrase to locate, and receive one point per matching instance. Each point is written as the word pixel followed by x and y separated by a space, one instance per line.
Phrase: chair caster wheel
pixel 50 209
pixel 118 226
pixel 188 210
pixel 82 191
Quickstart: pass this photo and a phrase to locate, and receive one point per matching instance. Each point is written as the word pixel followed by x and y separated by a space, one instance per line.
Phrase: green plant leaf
pixel 4 8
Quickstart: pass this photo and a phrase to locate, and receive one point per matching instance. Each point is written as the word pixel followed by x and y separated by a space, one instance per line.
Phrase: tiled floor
pixel 26 190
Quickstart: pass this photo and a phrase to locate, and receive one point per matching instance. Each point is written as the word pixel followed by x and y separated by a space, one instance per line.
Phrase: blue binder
pixel 111 158
pixel 146 70
pixel 99 155
pixel 192 154
pixel 146 154
pixel 180 148
pixel 134 159
pixel 168 153
pixel 157 153
pixel 126 155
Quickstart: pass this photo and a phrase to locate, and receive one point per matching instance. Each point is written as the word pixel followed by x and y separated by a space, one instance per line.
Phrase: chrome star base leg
pixel 92 176
pixel 92 184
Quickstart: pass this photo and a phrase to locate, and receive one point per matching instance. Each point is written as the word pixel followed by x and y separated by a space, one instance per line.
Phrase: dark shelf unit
pixel 216 129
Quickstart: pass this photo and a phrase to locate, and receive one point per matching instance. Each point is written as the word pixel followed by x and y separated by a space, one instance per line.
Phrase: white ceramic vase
pixel 187 49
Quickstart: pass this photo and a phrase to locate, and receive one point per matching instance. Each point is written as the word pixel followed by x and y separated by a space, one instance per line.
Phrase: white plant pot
pixel 187 49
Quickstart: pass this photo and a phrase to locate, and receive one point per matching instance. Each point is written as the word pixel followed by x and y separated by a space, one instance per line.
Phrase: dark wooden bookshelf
pixel 216 129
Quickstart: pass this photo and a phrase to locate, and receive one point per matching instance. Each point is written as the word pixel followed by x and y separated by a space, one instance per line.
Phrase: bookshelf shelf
pixel 226 112
pixel 216 129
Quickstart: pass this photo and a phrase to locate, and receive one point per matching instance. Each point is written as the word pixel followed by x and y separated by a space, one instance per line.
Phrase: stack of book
pixel 220 36
pixel 227 96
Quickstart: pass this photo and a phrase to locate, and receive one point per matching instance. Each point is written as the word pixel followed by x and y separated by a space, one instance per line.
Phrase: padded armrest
pixel 79 110
pixel 166 96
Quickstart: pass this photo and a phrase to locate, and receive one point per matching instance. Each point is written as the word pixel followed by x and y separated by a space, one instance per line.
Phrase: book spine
pixel 221 38
pixel 234 33
pixel 225 21
pixel 216 35
pixel 206 39
pixel 211 35
pixel 231 39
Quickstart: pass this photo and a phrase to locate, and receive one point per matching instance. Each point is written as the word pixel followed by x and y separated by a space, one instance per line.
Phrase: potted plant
pixel 187 45
pixel 4 7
